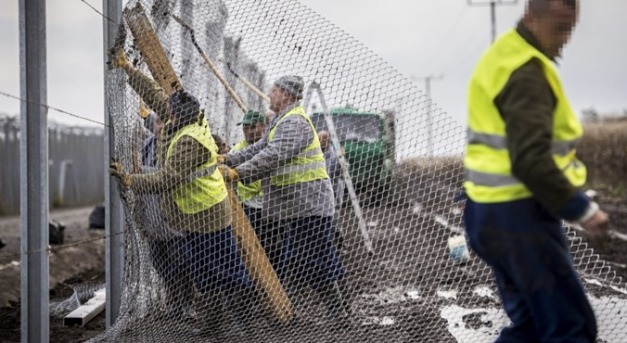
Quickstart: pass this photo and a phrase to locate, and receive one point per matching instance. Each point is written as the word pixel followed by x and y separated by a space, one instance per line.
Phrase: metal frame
pixel 114 222
pixel 34 171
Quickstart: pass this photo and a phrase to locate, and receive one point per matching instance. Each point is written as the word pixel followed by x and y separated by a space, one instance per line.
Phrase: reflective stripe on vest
pixel 560 148
pixel 251 190
pixel 204 187
pixel 487 163
pixel 308 165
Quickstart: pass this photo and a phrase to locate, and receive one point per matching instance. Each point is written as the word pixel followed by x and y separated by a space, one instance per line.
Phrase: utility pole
pixel 34 170
pixel 114 222
pixel 492 4
pixel 427 80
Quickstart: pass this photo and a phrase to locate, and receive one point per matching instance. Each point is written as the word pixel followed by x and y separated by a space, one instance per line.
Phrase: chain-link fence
pixel 376 257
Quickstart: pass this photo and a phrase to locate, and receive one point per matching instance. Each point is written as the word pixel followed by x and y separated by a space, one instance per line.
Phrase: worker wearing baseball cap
pixel 193 196
pixel 250 194
pixel 297 194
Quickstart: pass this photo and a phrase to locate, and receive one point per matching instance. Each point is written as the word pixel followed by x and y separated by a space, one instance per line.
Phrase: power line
pixel 492 4
pixel 52 108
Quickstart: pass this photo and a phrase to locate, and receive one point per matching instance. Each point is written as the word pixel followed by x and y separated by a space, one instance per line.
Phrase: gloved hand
pixel 229 174
pixel 119 60
pixel 221 159
pixel 144 111
pixel 116 169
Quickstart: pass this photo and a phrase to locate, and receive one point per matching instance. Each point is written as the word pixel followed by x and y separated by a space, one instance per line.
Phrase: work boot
pixel 179 299
pixel 244 306
pixel 210 316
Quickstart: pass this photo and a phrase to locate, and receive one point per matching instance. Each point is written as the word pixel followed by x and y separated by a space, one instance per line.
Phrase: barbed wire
pixel 56 109
pixel 62 246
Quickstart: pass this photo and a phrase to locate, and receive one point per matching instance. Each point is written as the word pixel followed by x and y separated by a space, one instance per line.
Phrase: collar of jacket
pixel 283 113
pixel 531 39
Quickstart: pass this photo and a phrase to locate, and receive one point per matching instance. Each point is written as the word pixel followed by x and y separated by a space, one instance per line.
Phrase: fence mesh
pixel 364 259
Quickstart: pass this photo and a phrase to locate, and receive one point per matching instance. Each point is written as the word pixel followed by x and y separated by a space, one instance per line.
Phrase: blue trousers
pixel 308 255
pixel 527 250
pixel 214 261
pixel 166 259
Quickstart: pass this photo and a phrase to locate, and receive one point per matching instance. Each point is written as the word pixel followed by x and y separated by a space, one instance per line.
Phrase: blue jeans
pixel 308 255
pixel 167 260
pixel 527 250
pixel 214 261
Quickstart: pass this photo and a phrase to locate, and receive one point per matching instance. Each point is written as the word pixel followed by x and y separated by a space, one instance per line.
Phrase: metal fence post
pixel 34 171
pixel 114 223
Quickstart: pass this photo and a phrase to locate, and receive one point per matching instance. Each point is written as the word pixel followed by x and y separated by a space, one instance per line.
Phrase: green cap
pixel 252 117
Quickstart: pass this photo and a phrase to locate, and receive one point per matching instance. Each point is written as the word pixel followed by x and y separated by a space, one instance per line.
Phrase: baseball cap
pixel 252 117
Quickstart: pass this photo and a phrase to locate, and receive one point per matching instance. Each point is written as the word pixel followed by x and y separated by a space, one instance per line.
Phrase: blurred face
pixel 323 136
pixel 554 26
pixel 253 132
pixel 279 99
pixel 561 26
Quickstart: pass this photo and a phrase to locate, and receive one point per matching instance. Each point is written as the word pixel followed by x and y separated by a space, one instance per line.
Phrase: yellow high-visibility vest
pixel 205 186
pixel 308 165
pixel 489 176
pixel 251 190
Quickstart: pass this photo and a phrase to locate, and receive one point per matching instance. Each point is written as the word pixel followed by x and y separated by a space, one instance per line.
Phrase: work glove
pixel 144 111
pixel 119 60
pixel 116 170
pixel 221 159
pixel 230 174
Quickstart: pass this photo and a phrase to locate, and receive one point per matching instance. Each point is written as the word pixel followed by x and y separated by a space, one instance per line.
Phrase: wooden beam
pixel 151 49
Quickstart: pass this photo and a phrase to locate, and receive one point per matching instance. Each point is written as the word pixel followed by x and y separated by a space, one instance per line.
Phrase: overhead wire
pixel 56 109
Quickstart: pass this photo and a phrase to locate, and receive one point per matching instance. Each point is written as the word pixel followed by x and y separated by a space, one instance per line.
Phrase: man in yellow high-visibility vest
pixel 193 199
pixel 523 179
pixel 251 194
pixel 297 194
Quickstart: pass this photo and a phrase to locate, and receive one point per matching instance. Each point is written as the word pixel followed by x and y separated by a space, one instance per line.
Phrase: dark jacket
pixel 526 104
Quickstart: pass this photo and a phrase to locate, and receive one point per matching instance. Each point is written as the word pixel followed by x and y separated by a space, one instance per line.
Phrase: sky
pixel 442 38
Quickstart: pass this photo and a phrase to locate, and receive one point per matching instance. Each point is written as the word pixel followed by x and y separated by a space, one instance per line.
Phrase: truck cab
pixel 366 144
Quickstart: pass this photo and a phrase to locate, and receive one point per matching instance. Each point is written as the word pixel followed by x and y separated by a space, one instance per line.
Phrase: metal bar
pixel 114 224
pixel 348 180
pixel 493 19
pixel 34 171
pixel 86 312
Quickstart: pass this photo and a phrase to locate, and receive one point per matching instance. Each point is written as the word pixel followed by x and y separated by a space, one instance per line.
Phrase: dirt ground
pixel 65 262
pixel 396 295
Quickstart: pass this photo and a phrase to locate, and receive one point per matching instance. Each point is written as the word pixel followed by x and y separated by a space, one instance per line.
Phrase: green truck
pixel 367 139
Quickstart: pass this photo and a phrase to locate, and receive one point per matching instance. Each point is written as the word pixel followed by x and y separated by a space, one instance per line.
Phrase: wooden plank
pixel 86 312
pixel 257 262
pixel 252 252
pixel 151 49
